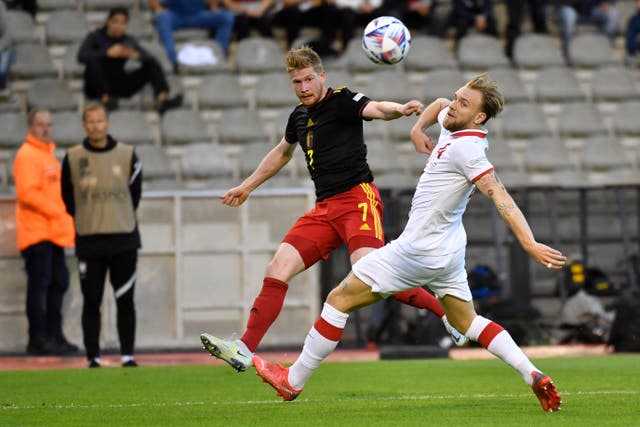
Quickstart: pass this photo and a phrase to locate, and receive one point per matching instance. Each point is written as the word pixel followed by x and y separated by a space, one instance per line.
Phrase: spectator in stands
pixel 515 13
pixel 633 35
pixel 476 14
pixel 117 66
pixel 358 13
pixel 6 49
pixel 323 14
pixel 602 13
pixel 170 15
pixel 43 229
pixel 423 15
pixel 251 14
pixel 101 188
pixel 29 6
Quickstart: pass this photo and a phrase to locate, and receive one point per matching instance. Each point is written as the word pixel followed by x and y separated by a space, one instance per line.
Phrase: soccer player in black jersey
pixel 327 124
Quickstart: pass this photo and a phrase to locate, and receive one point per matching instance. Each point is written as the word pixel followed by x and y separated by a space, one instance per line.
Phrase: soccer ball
pixel 386 40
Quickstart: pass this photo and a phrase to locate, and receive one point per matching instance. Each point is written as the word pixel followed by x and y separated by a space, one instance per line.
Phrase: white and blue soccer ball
pixel 386 40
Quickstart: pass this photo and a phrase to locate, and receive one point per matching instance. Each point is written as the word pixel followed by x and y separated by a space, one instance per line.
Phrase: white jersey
pixel 435 219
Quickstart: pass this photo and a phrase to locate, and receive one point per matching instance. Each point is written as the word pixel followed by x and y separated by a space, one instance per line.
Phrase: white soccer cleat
pixel 229 351
pixel 456 336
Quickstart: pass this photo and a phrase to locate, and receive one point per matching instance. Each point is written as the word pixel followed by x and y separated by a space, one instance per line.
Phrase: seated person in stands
pixel 6 50
pixel 602 13
pixel 171 15
pixel 475 14
pixel 117 66
pixel 633 34
pixel 251 14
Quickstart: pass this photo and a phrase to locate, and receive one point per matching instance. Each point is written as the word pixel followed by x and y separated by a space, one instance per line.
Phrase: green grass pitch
pixel 597 391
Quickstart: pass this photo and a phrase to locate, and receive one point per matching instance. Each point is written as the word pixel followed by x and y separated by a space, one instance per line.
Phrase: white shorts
pixel 388 271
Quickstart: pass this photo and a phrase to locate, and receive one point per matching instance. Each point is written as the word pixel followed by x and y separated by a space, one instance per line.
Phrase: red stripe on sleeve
pixel 473 181
pixel 327 330
pixel 489 333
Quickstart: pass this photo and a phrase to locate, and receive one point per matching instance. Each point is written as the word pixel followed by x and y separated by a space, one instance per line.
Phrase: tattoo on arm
pixel 505 209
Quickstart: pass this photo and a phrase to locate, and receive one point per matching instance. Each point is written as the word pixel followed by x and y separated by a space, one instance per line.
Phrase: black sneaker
pixel 130 364
pixel 93 363
pixel 40 346
pixel 64 346
pixel 169 104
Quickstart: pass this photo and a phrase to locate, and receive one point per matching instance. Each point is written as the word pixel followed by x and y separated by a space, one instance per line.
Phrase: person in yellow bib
pixel 101 188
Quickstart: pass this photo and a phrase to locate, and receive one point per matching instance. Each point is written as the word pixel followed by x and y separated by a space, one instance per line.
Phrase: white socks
pixel 321 340
pixel 502 346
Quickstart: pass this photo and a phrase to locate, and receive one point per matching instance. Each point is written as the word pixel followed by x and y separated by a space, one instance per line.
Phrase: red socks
pixel 420 298
pixel 265 310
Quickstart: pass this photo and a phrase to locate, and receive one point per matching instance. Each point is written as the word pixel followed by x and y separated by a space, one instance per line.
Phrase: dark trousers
pixel 122 275
pixel 47 282
pixel 326 17
pixel 100 80
pixel 516 12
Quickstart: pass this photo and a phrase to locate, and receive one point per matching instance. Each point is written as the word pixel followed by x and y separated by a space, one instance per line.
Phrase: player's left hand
pixel 412 107
pixel 547 256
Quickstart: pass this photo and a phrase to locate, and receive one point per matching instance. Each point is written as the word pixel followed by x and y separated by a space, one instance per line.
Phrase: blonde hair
pixel 492 99
pixel 94 106
pixel 304 57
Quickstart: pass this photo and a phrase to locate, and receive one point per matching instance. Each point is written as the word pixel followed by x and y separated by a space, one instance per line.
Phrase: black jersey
pixel 330 134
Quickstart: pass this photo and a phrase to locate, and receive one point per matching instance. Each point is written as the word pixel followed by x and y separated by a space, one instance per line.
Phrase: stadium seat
pixel 429 53
pixel 221 91
pixel 441 83
pixel 580 119
pixel 339 78
pixel 613 84
pixel 510 84
pixel 202 161
pixel 535 51
pixel 53 5
pixel 10 104
pixel 357 60
pixel 67 128
pixel 21 27
pixel 139 27
pixel 591 50
pixel 180 127
pixel 66 27
pixel 52 94
pixel 502 156
pixel 557 85
pixel 14 129
pixel 156 164
pixel 478 52
pixel 221 64
pixel 374 130
pixel 391 85
pixel 154 48
pixel 400 129
pixel 105 5
pixel 32 61
pixel 241 126
pixel 250 157
pixel 524 120
pixel 383 157
pixel 543 156
pixel 274 90
pixel 626 121
pixel 130 127
pixel 600 154
pixel 71 68
pixel 257 55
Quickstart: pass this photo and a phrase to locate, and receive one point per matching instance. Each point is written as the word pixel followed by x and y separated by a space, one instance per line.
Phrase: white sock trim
pixel 477 326
pixel 334 317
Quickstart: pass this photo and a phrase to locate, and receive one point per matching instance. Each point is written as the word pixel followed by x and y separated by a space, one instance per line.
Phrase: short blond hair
pixel 94 106
pixel 492 99
pixel 303 57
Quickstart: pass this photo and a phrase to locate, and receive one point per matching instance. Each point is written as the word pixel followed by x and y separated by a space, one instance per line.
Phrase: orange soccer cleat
pixel 546 392
pixel 277 377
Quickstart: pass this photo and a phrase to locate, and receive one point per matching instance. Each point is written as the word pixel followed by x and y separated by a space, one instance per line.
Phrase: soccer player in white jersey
pixel 431 249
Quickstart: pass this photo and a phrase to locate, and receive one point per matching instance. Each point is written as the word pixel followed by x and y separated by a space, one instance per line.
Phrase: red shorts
pixel 353 217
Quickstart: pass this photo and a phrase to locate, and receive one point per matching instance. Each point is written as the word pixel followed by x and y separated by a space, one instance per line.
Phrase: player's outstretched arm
pixel 429 117
pixel 270 165
pixel 388 110
pixel 491 187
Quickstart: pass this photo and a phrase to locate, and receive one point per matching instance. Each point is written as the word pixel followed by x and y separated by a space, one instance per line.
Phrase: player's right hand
pixel 235 196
